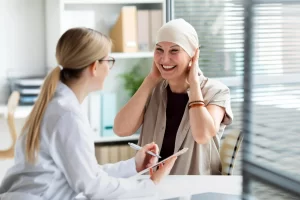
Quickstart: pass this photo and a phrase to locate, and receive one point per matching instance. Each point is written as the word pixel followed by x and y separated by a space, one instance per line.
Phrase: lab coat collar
pixel 62 90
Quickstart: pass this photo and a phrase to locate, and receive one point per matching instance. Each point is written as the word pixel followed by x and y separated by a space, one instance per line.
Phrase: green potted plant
pixel 133 79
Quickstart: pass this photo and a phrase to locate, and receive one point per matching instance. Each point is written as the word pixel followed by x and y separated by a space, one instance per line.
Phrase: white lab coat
pixel 66 164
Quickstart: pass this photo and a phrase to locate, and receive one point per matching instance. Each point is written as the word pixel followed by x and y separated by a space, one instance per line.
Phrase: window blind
pixel 219 25
pixel 274 141
pixel 275 92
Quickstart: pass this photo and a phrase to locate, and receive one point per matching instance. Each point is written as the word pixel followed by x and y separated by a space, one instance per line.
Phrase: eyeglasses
pixel 110 60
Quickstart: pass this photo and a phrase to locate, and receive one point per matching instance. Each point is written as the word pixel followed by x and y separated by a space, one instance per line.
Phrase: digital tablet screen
pixel 178 153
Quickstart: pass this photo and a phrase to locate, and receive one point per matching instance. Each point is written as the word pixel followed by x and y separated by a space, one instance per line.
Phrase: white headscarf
pixel 181 33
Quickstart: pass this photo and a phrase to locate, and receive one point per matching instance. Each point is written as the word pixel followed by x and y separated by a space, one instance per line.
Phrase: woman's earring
pixel 190 63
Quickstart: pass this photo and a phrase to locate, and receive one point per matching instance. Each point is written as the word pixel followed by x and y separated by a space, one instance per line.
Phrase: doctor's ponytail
pixel 33 122
pixel 76 49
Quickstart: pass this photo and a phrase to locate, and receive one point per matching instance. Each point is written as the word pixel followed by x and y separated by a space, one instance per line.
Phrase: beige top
pixel 200 159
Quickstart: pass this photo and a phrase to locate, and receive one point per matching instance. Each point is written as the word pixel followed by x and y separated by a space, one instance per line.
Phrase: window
pixel 271 47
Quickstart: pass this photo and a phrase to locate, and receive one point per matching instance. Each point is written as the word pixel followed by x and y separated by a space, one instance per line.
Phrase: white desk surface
pixel 188 185
pixel 178 186
pixel 184 186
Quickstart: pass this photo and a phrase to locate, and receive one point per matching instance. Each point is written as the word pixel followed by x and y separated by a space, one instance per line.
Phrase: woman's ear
pixel 93 68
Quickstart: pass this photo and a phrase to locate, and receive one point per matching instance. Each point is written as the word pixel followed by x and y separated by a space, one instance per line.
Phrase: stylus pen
pixel 137 147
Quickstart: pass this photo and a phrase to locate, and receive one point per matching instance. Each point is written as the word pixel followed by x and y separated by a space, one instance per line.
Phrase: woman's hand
pixel 193 70
pixel 143 160
pixel 154 74
pixel 163 170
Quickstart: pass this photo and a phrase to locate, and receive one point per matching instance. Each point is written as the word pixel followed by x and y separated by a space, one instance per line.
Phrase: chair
pixel 229 149
pixel 12 104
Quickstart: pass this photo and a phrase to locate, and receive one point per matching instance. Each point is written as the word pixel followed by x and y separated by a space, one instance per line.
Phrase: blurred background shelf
pixel 112 1
pixel 132 55
pixel 23 111
pixel 101 15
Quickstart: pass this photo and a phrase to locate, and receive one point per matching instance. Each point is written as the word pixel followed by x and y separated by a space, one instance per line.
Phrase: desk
pixel 185 186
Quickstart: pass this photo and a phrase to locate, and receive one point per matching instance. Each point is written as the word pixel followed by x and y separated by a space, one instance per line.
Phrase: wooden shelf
pixel 116 139
pixel 132 55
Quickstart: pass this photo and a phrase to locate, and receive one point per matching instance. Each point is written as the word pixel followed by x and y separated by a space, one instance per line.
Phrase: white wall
pixel 22 40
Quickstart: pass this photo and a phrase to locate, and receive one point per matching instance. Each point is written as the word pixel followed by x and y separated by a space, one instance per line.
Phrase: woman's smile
pixel 168 68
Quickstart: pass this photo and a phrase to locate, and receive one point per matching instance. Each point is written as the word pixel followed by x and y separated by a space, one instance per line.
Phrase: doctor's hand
pixel 143 160
pixel 163 170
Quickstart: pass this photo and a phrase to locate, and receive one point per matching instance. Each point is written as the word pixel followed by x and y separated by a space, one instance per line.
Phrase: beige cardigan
pixel 200 159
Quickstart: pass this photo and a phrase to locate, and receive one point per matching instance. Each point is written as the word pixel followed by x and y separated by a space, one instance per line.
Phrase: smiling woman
pixel 177 105
pixel 171 60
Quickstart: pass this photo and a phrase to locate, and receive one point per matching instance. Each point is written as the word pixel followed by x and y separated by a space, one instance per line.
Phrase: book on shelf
pixel 143 30
pixel 108 113
pixel 155 23
pixel 135 30
pixel 124 33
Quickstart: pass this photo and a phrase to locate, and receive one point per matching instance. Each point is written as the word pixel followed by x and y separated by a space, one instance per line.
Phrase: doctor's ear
pixel 93 68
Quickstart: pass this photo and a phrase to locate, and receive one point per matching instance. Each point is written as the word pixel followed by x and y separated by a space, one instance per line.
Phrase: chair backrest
pixel 12 104
pixel 229 149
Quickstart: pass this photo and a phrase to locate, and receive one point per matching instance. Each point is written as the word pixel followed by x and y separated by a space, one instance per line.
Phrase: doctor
pixel 55 154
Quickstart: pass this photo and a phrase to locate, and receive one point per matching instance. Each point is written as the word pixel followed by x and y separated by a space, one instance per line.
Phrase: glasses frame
pixel 110 59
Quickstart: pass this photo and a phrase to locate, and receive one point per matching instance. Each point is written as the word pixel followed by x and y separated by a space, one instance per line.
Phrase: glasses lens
pixel 111 62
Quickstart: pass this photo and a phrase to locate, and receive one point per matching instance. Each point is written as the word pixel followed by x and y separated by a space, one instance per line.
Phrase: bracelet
pixel 196 102
pixel 196 105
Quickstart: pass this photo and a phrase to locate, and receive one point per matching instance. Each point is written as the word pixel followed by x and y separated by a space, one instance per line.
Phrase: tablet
pixel 182 151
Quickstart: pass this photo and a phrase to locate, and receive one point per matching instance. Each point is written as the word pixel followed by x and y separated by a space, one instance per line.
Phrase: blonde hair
pixel 76 49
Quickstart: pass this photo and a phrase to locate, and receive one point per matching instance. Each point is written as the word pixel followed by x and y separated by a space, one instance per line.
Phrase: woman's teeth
pixel 168 67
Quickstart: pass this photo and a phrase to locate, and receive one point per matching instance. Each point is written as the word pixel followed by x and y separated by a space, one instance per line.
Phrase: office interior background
pixel 252 46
